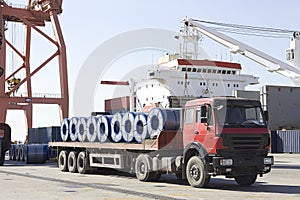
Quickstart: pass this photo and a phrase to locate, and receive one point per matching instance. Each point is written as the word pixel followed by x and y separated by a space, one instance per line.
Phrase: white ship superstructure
pixel 175 76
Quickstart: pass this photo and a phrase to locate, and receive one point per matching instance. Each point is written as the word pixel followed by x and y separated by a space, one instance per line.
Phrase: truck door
pixel 204 129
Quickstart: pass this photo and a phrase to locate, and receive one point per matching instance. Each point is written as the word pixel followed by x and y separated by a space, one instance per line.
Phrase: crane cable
pixel 248 30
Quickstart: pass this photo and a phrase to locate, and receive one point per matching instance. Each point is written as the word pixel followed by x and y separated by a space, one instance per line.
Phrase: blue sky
pixel 87 24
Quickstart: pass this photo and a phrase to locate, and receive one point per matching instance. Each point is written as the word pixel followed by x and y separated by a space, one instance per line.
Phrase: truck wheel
pixel 62 161
pixel 196 173
pixel 142 168
pixel 246 180
pixel 72 162
pixel 82 163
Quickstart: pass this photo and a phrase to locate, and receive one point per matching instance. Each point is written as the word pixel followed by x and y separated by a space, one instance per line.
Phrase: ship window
pixel 216 84
pixel 233 72
pixel 181 82
pixel 151 74
pixel 194 69
pixel 178 82
pixel 228 72
pixel 146 99
pixel 214 71
pixel 152 85
pixel 201 83
pixel 228 85
pixel 209 71
pixel 146 86
pixel 184 69
pixel 219 71
pixel 199 70
pixel 189 116
pixel 204 70
pixel 237 85
pixel 204 83
pixel 152 98
pixel 223 71
pixel 189 69
pixel 213 84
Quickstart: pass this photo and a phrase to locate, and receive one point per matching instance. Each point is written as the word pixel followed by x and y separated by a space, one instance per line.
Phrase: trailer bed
pixel 168 140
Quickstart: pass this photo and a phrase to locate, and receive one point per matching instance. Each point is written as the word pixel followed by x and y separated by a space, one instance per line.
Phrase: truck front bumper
pixel 242 165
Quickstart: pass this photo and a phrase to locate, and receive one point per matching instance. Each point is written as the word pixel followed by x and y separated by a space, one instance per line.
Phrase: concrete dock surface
pixel 21 181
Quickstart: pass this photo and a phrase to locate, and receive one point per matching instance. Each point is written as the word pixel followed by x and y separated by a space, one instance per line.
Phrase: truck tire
pixel 72 162
pixel 62 161
pixel 246 180
pixel 196 173
pixel 82 163
pixel 143 168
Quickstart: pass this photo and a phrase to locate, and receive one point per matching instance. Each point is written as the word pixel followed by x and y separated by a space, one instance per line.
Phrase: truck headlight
pixel 268 161
pixel 226 162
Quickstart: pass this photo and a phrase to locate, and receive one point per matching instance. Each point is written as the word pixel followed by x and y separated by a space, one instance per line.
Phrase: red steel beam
pixel 114 82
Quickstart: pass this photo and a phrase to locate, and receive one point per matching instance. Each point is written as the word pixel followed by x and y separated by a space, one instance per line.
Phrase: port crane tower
pixel 34 16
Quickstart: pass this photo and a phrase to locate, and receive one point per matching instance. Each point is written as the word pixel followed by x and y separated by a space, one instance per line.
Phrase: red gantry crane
pixel 33 17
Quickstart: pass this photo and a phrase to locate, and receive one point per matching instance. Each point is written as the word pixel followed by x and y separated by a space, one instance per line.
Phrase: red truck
pixel 217 136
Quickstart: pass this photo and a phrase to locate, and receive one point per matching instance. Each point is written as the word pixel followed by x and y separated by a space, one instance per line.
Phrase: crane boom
pixel 272 64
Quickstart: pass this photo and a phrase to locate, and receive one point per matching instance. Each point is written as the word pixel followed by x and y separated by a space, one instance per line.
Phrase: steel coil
pixel 73 129
pixel 104 128
pixel 92 130
pixel 116 132
pixel 64 130
pixel 127 126
pixel 140 131
pixel 161 119
pixel 36 153
pixel 81 127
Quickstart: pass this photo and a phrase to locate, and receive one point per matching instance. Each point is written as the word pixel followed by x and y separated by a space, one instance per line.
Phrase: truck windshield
pixel 240 116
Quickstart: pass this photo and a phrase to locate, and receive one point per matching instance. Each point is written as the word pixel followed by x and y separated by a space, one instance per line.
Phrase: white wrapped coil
pixel 73 129
pixel 116 132
pixel 161 119
pixel 64 130
pixel 92 130
pixel 140 131
pixel 82 129
pixel 127 126
pixel 104 128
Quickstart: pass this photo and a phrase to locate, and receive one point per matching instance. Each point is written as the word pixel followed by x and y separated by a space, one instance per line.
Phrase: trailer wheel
pixel 246 180
pixel 72 162
pixel 62 161
pixel 196 173
pixel 82 163
pixel 142 168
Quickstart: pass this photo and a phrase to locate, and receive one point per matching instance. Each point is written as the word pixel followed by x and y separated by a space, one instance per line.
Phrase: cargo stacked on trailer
pixel 208 137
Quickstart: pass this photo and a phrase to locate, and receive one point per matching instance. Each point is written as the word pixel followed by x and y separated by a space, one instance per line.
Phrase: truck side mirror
pixel 204 114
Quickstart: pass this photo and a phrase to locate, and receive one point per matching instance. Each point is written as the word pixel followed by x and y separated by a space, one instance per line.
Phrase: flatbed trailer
pixel 215 136
pixel 122 156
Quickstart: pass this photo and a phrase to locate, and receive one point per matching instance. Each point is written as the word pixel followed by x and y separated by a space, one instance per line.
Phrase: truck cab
pixel 225 136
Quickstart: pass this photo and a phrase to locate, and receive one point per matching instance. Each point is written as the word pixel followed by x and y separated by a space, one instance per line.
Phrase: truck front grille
pixel 245 141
